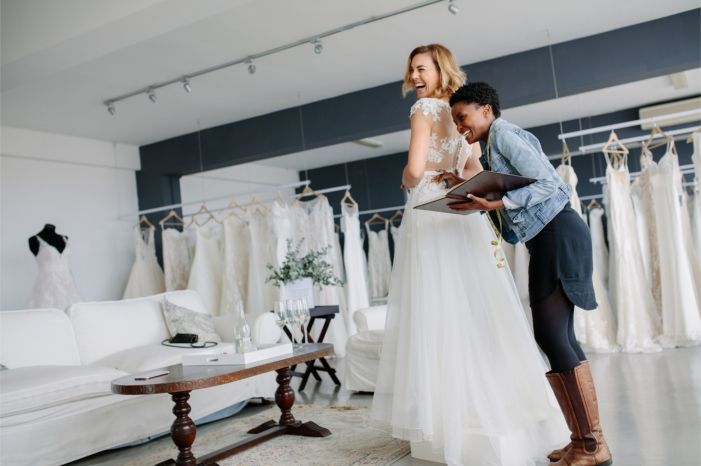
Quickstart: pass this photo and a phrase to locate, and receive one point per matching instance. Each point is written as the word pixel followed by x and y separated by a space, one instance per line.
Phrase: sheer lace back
pixel 447 150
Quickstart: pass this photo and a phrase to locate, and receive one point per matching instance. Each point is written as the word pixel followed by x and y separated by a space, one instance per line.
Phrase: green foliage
pixel 312 265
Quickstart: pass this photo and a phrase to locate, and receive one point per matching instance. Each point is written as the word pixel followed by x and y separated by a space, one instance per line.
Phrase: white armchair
pixel 363 349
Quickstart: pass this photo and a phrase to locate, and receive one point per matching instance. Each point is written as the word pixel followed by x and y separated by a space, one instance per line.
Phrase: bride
pixel 459 369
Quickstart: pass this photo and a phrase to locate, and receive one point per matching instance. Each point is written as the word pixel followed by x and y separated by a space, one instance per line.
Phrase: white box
pixel 223 359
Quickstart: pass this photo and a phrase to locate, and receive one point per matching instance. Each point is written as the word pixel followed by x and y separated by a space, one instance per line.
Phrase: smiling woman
pixel 431 71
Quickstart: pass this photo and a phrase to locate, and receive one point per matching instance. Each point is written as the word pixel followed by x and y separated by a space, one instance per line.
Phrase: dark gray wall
pixel 629 54
pixel 375 182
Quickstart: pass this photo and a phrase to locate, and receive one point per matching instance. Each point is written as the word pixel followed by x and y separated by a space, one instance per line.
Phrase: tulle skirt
pixel 459 366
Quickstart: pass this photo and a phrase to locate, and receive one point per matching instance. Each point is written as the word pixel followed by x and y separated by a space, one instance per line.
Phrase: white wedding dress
pixel 594 329
pixel 207 266
pixel 261 295
pixel 679 269
pixel 379 262
pixel 146 277
pixel 313 221
pixel 696 203
pixel 236 250
pixel 459 368
pixel 646 228
pixel 598 242
pixel 176 259
pixel 353 259
pixel 54 285
pixel 629 291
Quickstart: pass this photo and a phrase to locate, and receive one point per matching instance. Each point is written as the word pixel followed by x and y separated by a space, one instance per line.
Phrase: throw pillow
pixel 182 320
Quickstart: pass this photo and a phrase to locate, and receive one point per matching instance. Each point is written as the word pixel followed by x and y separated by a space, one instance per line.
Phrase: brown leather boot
pixel 557 455
pixel 574 390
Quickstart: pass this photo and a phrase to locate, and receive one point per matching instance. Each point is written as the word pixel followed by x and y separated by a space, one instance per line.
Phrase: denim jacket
pixel 516 151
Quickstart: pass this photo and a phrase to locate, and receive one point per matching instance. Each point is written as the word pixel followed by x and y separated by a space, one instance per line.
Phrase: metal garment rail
pixel 628 124
pixel 372 211
pixel 218 198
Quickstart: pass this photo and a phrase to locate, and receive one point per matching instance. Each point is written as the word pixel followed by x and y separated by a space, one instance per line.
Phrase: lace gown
pixel 234 280
pixel 353 259
pixel 146 277
pixel 679 269
pixel 595 329
pixel 261 295
pixel 313 221
pixel 176 259
pixel 54 286
pixel 379 262
pixel 598 241
pixel 643 203
pixel 631 298
pixel 696 206
pixel 207 266
pixel 459 368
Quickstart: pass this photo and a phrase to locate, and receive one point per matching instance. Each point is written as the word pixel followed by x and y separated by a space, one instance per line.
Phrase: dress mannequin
pixel 48 234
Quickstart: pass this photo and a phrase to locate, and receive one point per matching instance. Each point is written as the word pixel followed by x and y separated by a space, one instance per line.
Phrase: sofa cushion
pixel 108 327
pixel 180 319
pixel 28 389
pixel 366 344
pixel 148 357
pixel 35 337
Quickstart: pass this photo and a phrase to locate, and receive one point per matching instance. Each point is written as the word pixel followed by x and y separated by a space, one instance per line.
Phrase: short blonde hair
pixel 452 76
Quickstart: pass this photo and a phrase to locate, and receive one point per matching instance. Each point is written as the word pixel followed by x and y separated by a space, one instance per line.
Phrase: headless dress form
pixel 54 286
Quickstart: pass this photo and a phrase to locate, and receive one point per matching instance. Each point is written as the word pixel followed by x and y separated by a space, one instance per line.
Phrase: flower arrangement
pixel 312 265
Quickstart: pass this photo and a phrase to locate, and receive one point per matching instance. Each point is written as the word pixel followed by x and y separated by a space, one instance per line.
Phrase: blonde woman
pixel 459 369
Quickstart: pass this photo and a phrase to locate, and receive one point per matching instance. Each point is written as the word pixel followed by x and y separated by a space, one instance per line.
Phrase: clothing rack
pixel 685 169
pixel 631 142
pixel 628 124
pixel 372 211
pixel 218 198
pixel 344 187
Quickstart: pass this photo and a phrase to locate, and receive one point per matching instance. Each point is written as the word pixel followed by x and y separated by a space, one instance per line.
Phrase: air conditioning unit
pixel 692 108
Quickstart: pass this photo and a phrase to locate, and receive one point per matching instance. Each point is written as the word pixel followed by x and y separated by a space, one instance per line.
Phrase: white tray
pixel 230 358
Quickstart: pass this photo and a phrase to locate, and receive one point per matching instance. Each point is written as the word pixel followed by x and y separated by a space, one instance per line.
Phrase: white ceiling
pixel 631 95
pixel 60 60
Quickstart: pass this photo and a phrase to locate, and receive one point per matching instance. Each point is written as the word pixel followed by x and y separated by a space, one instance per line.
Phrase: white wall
pixel 79 185
pixel 242 178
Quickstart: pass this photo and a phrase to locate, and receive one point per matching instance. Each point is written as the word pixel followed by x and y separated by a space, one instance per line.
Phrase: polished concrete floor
pixel 650 407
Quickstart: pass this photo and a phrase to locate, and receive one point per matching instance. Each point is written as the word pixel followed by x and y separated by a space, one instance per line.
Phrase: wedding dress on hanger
pixel 313 222
pixel 679 269
pixel 54 285
pixel 631 297
pixel 459 368
pixel 176 259
pixel 379 262
pixel 146 277
pixel 643 203
pixel 595 329
pixel 236 251
pixel 207 266
pixel 353 255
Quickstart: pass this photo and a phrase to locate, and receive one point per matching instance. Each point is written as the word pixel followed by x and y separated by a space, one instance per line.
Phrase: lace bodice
pixel 54 285
pixel 447 149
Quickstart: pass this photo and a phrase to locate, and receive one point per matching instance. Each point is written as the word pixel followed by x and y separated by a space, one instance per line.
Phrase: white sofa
pixel 363 349
pixel 55 400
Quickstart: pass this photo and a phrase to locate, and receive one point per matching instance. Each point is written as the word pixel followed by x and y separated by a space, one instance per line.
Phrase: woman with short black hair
pixel 560 270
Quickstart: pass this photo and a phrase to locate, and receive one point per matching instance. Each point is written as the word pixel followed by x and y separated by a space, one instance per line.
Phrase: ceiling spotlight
pixel 251 66
pixel 151 95
pixel 110 108
pixel 318 46
pixel 453 7
pixel 186 85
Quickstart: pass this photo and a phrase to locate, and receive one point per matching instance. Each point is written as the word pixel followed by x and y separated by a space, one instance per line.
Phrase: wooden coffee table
pixel 183 379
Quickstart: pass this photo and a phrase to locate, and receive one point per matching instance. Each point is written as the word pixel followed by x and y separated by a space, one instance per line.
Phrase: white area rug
pixel 354 440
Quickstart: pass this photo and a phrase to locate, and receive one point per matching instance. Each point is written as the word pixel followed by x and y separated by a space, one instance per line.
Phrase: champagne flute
pixel 281 314
pixel 305 317
pixel 293 319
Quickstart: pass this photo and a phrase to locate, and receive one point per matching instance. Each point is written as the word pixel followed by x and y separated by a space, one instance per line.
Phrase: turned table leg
pixel 285 396
pixel 182 430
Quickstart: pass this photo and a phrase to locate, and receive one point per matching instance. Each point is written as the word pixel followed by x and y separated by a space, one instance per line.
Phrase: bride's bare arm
pixel 418 150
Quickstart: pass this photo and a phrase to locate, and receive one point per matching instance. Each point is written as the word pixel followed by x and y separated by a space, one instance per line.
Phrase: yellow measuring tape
pixel 498 252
